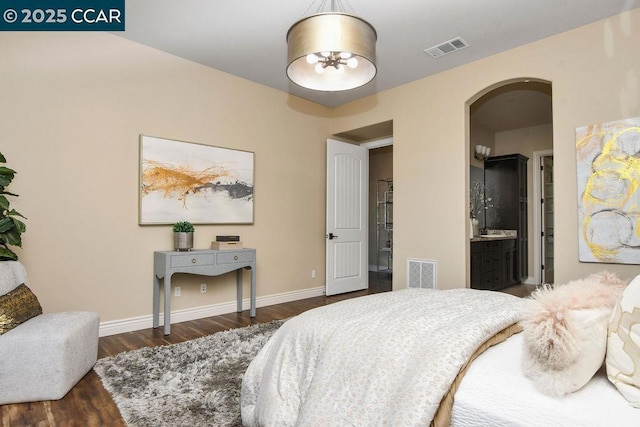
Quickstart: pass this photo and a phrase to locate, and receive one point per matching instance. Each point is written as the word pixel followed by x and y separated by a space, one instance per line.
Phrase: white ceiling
pixel 246 38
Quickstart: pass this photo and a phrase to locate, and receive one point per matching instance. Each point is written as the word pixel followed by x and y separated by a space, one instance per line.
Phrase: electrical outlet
pixel 203 288
pixel 313 274
pixel 177 291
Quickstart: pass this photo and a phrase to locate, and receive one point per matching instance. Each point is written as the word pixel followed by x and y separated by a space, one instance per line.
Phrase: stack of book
pixel 226 242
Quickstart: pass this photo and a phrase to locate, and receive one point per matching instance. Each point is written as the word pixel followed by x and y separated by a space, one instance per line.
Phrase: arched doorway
pixel 513 118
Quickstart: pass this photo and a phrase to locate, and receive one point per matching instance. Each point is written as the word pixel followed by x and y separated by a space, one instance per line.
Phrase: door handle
pixel 332 236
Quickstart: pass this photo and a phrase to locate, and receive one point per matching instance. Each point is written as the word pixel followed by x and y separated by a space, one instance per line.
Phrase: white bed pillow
pixel 623 344
pixel 565 332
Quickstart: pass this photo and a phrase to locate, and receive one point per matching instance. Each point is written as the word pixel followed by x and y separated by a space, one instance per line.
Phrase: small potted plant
pixel 183 235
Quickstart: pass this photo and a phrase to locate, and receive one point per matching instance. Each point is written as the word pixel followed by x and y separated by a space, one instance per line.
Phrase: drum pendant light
pixel 331 51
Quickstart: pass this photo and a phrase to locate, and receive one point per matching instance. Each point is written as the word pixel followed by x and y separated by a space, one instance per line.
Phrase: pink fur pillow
pixel 565 332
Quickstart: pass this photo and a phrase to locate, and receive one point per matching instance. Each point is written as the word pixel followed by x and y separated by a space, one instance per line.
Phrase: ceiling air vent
pixel 447 47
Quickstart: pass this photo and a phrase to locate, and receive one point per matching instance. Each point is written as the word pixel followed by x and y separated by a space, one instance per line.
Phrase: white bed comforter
pixel 384 359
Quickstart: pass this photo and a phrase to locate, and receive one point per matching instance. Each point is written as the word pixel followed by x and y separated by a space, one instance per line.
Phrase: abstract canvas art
pixel 202 184
pixel 608 168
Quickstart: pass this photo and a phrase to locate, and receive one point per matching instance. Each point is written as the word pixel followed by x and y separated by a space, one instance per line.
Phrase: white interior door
pixel 347 215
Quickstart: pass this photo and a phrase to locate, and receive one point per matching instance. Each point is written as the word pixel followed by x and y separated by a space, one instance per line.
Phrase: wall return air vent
pixel 421 273
pixel 447 47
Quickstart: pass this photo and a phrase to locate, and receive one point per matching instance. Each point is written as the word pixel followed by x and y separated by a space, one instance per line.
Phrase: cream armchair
pixel 44 357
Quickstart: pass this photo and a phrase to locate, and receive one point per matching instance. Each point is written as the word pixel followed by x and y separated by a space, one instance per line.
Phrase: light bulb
pixel 340 68
pixel 312 58
pixel 352 62
pixel 325 54
pixel 345 55
pixel 319 68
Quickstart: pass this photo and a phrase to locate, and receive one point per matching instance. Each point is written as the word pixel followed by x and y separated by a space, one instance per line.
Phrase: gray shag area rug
pixel 194 383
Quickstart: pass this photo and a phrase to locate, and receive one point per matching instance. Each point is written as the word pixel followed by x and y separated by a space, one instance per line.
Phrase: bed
pixel 494 392
pixel 413 357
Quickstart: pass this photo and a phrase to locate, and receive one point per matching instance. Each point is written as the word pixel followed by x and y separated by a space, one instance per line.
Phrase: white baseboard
pixel 131 324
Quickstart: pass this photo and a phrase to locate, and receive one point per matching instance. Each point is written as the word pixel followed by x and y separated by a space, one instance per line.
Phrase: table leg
pixel 156 301
pixel 239 291
pixel 252 309
pixel 167 304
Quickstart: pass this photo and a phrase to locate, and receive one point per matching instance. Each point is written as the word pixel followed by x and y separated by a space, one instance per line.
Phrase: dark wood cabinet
pixel 493 264
pixel 506 184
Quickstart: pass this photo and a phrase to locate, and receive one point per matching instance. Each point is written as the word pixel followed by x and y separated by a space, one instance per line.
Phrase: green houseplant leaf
pixel 20 226
pixel 12 237
pixel 7 254
pixel 11 228
pixel 183 227
pixel 5 224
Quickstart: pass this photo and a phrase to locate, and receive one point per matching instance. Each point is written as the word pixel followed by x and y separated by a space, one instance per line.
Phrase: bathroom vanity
pixel 493 260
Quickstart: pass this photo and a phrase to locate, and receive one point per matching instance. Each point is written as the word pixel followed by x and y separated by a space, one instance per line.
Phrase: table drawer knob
pixel 235 258
pixel 193 261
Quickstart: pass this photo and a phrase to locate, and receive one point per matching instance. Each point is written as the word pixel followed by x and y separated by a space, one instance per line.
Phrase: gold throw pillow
pixel 16 307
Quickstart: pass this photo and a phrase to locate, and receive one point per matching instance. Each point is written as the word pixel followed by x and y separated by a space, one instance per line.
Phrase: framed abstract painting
pixel 608 169
pixel 202 184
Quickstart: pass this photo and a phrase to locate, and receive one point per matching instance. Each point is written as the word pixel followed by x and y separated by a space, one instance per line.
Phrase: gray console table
pixel 205 262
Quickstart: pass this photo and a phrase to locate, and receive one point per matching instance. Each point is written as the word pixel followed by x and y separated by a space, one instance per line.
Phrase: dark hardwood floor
pixel 89 404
